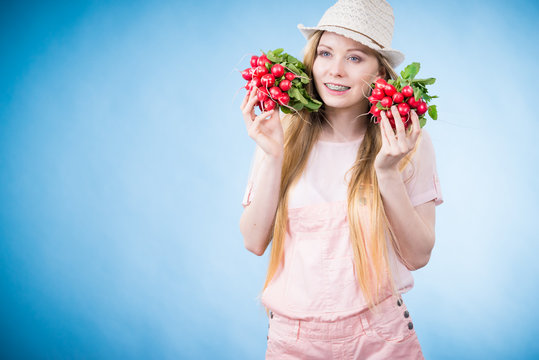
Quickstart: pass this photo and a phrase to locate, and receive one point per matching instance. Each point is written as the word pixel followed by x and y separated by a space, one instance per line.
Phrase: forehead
pixel 337 41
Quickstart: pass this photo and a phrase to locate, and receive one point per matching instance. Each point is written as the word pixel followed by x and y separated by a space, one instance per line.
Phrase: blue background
pixel 124 158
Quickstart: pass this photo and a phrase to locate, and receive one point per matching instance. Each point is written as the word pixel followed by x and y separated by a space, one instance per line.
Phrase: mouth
pixel 336 87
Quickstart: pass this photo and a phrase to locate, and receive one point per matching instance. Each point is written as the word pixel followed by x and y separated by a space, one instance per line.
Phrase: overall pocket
pixel 394 324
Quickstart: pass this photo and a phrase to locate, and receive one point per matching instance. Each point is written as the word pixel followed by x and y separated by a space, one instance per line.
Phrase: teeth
pixel 337 87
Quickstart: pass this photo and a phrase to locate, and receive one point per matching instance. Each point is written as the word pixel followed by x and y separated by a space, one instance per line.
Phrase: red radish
pixel 380 84
pixel 254 61
pixel 405 121
pixel 260 71
pixel 267 80
pixel 375 111
pixel 397 98
pixel 285 85
pixel 390 90
pixel 262 94
pixel 421 107
pixel 262 60
pixel 403 109
pixel 290 76
pixel 257 81
pixel 412 102
pixel 284 99
pixel 247 74
pixel 269 105
pixel 275 92
pixel 378 94
pixel 407 91
pixel 386 101
pixel 277 70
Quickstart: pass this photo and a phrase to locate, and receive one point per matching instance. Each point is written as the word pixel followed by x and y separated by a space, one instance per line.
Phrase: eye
pixel 323 53
pixel 355 58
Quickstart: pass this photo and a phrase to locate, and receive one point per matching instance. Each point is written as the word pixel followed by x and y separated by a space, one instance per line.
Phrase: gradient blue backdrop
pixel 124 157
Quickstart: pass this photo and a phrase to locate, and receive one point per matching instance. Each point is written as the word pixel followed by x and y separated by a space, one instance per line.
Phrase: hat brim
pixel 394 57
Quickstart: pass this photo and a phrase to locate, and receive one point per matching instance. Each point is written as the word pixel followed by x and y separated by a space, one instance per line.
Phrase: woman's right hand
pixel 265 129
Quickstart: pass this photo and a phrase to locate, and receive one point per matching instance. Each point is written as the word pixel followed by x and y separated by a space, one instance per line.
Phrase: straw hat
pixel 369 22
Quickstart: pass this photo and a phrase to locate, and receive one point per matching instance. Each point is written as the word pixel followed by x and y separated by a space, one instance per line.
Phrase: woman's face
pixel 343 71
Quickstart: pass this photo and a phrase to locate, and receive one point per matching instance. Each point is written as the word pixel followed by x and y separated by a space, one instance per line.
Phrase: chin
pixel 331 102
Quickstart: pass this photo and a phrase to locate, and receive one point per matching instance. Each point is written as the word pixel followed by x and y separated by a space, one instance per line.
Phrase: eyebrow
pixel 352 49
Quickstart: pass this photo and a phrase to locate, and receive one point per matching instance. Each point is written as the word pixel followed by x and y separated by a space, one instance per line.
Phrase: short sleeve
pixel 420 175
pixel 255 164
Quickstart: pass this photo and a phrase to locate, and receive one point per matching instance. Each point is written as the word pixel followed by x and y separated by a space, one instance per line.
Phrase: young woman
pixel 348 205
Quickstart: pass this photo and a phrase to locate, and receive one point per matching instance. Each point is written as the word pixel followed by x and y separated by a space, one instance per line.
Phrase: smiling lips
pixel 336 88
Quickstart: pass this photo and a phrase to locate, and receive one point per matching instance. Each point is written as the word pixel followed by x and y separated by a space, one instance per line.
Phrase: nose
pixel 336 68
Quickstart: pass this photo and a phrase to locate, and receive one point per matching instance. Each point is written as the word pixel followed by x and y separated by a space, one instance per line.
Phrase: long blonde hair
pixel 368 240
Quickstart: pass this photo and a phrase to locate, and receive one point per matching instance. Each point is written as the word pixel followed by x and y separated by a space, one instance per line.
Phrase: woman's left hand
pixel 395 146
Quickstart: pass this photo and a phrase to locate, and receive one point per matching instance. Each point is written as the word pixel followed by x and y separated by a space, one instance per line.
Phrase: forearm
pixel 257 218
pixel 415 237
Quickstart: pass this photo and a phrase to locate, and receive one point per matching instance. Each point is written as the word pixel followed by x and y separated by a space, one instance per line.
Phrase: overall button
pixel 399 302
pixel 410 325
pixel 406 314
pixel 271 314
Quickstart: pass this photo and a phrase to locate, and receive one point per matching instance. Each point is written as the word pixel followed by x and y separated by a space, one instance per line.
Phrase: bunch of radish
pixel 280 80
pixel 407 93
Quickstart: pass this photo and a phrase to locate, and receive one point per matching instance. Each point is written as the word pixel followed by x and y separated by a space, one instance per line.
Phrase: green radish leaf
pixel 313 106
pixel 428 81
pixel 390 81
pixel 410 71
pixel 292 59
pixel 293 92
pixel 379 106
pixel 278 51
pixel 302 99
pixel 274 58
pixel 433 112
pixel 294 69
pixel 298 106
pixel 422 121
pixel 304 80
pixel 417 93
pixel 285 110
pixel 268 66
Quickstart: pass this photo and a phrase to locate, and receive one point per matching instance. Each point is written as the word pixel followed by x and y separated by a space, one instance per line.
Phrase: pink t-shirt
pixel 317 279
pixel 324 177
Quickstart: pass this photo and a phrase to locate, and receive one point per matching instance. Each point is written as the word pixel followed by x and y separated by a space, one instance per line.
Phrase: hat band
pixel 360 33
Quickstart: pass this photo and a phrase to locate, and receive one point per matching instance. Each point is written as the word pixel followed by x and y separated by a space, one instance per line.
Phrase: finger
pixel 253 99
pixel 265 116
pixel 388 131
pixel 249 111
pixel 245 99
pixel 416 127
pixel 401 134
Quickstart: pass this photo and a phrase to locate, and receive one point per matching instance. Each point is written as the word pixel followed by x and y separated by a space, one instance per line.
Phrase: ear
pixel 382 73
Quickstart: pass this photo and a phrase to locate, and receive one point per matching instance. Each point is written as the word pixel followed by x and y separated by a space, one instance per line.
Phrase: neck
pixel 345 124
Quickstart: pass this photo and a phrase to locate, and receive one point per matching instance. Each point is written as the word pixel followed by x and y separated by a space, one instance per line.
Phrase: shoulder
pixel 423 157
